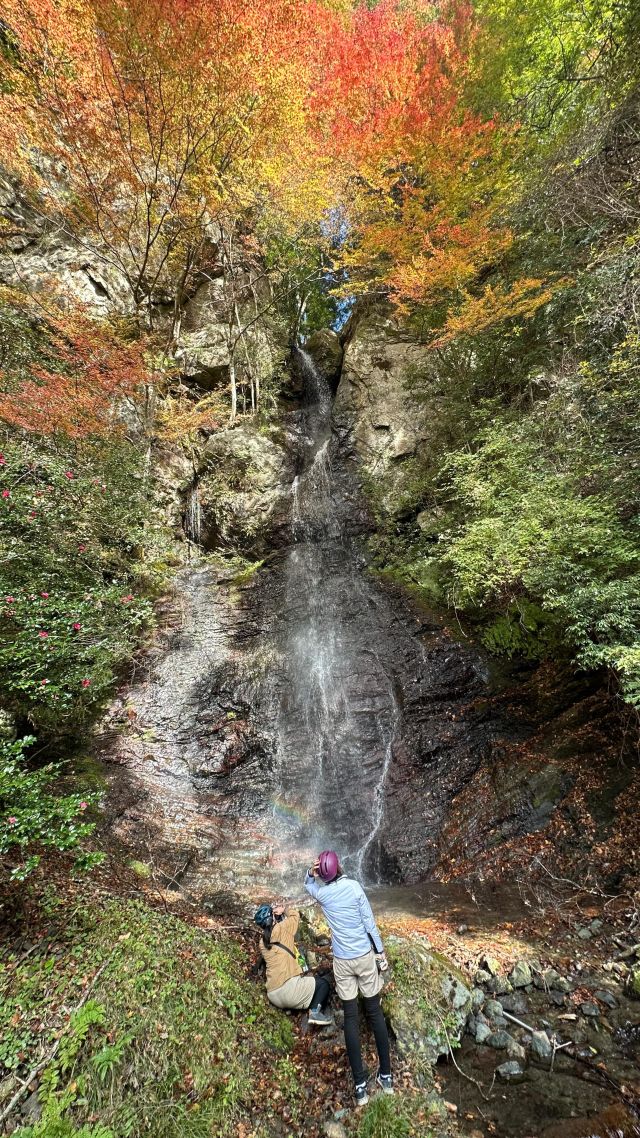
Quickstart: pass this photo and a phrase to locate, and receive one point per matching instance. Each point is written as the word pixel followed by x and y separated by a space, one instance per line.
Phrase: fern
pixel 108 1059
pixel 91 1015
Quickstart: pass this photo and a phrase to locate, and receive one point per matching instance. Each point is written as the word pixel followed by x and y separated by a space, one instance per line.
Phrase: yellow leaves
pixel 494 305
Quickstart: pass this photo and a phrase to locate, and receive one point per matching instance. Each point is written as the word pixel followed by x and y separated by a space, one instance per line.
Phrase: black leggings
pixel 352 1035
pixel 321 993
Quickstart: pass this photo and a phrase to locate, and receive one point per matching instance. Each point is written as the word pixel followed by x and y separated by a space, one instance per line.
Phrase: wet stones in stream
pixel 522 1038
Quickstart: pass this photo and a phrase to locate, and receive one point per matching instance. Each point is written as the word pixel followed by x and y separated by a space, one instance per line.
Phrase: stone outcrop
pixel 428 1002
pixel 325 349
pixel 244 487
pixel 43 255
pixel 373 403
pixel 210 334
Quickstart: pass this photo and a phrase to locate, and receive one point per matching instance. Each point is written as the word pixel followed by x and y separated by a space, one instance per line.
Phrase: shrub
pixel 32 818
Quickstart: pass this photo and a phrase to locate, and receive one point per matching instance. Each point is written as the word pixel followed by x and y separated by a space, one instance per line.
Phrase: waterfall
pixel 193 515
pixel 338 714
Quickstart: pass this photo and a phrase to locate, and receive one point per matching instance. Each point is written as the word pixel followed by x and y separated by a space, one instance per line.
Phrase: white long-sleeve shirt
pixel 348 914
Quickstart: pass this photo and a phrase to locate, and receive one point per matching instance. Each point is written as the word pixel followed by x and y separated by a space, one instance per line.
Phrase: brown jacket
pixel 280 965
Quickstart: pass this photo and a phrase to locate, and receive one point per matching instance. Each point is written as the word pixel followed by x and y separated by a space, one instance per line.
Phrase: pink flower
pixel 86 683
pixel 45 595
pixel 3 460
pixel 6 493
pixel 44 681
pixel 83 805
pixel 9 600
pixel 12 821
pixel 77 627
pixel 33 514
pixel 69 474
pixel 43 635
pixel 125 600
pixel 81 548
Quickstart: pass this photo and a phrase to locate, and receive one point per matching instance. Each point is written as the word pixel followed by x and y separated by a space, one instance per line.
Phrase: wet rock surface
pixel 305 703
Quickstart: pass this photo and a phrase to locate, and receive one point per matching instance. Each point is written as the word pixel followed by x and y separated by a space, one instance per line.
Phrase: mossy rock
pixel 427 1003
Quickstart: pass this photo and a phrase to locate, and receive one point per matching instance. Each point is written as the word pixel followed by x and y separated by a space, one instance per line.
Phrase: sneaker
pixel 322 1019
pixel 385 1082
pixel 362 1097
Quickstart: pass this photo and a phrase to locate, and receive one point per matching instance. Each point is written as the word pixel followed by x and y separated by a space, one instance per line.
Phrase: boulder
pixel 477 999
pixel 515 1050
pixel 511 1072
pixel 428 1002
pixel 325 349
pixel 499 1039
pixel 551 979
pixel 516 1003
pixel 490 965
pixel 541 1046
pixel 493 1008
pixel 606 997
pixel 521 975
pixel 499 986
pixel 244 484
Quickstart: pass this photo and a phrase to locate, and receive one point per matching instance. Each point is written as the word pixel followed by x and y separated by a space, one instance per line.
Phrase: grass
pixel 171 1041
pixel 413 1115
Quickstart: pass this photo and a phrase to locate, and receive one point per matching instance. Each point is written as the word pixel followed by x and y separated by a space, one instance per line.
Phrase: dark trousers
pixel 376 1019
pixel 321 993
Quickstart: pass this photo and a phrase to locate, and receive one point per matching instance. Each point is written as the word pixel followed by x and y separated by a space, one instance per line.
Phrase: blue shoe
pixel 385 1082
pixel 322 1019
pixel 362 1097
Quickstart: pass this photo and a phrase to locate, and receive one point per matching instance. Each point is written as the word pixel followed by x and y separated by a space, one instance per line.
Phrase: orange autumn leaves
pixel 160 119
pixel 84 371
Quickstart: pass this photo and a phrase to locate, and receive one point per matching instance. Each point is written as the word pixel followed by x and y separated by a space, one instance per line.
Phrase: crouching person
pixel 287 985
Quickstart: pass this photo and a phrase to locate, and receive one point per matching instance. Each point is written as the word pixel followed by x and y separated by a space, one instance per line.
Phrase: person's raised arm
pixel 368 920
pixel 310 882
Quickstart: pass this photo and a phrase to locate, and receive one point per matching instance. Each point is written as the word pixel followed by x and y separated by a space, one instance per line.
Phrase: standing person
pixel 358 960
pixel 287 985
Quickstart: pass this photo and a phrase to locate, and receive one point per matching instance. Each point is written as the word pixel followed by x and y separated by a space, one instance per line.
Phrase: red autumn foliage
pixel 93 371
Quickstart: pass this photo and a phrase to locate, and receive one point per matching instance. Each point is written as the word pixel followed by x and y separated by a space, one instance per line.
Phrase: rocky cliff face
pixel 223 488
pixel 373 403
pixel 43 255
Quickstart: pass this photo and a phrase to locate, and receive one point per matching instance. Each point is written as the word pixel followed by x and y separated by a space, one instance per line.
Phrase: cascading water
pixel 268 725
pixel 193 516
pixel 338 714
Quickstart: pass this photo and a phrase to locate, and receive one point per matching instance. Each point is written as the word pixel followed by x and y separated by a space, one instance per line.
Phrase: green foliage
pixel 74 518
pixel 167 1045
pixel 540 60
pixel 71 524
pixel 384 1118
pixel 31 817
pixel 60 1128
pixel 525 630
pixel 527 490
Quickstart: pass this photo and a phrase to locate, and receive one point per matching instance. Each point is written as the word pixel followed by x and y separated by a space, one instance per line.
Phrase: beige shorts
pixel 359 975
pixel 297 993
